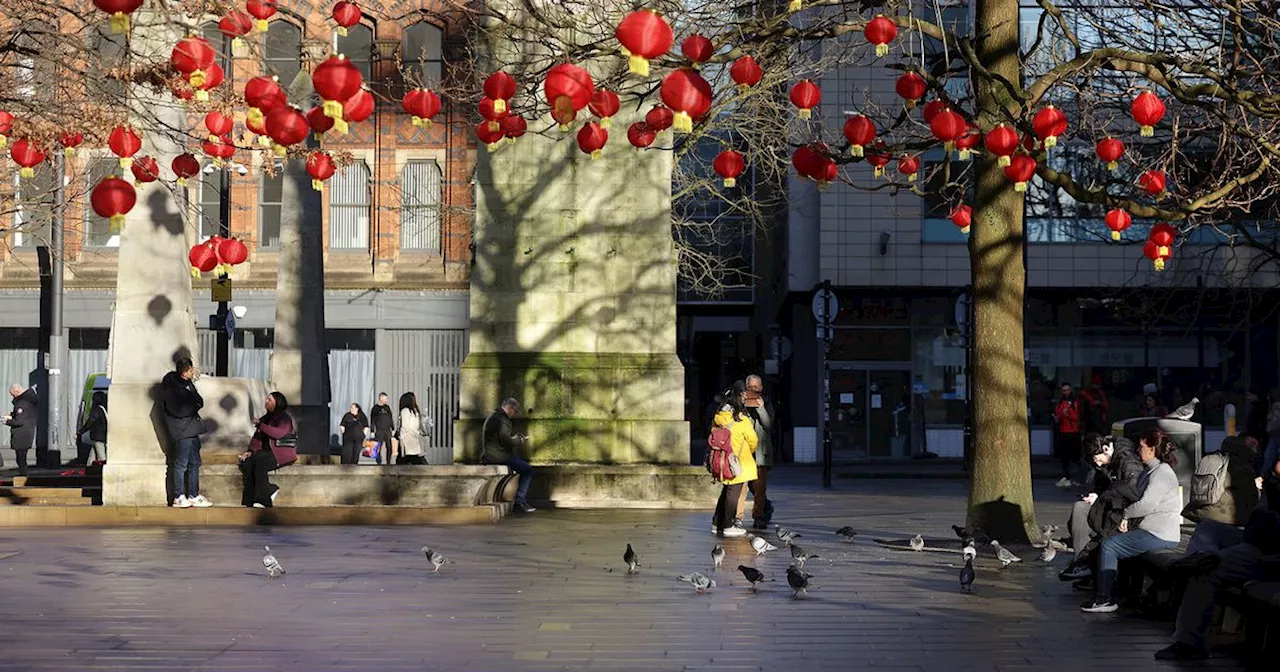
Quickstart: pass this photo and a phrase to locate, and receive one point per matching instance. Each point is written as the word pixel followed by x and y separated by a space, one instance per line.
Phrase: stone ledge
pixel 364 486
pixel 590 486
pixel 224 516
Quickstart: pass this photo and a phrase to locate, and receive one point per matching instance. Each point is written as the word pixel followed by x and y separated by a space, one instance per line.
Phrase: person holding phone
pixel 500 443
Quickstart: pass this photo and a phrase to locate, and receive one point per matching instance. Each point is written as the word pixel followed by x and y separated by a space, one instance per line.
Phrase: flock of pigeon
pixel 274 568
pixel 969 550
pixel 797 578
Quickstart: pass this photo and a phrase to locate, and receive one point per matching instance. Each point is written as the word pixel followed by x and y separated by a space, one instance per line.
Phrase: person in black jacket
pixel 1116 471
pixel 500 448
pixel 181 404
pixel 382 420
pixel 353 427
pixel 96 428
pixel 22 423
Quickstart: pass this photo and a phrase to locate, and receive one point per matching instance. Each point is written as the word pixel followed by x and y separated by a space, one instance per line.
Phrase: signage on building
pixel 220 289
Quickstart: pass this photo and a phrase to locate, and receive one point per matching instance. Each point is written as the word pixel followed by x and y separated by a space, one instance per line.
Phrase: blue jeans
pixel 1210 536
pixel 525 470
pixel 1121 546
pixel 186 467
pixel 1270 456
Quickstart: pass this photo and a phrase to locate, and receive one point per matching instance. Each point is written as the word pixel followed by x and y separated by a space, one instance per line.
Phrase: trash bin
pixel 1187 437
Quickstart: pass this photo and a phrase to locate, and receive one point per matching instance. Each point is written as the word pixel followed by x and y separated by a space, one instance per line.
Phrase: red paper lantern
pixel 640 135
pixel 232 252
pixel 879 157
pixel 746 73
pixel 1153 181
pixel 689 95
pixel 27 155
pixel 218 123
pixel 1156 254
pixel 213 78
pixel 805 95
pixel 263 94
pixel 345 14
pixel 962 217
pixel 605 104
pixel 729 165
pixel 697 48
pixel 125 143
pixel 805 161
pixel 643 35
pixel 69 142
pixel 909 166
pixel 320 124
pixel 113 198
pixel 826 171
pixel 490 113
pixel 501 87
pixel 6 127
pixel 422 105
pixel 592 138
pixel 235 25
pixel 948 126
pixel 145 169
pixel 192 57
pixel 119 11
pixel 965 143
pixel 359 107
pixel 1048 124
pixel 220 149
pixel 320 167
pixel 1163 235
pixel 659 118
pixel 490 137
pixel 203 259
pixel 880 31
pixel 336 80
pixel 1003 142
pixel 860 132
pixel 287 126
pixel 911 87
pixel 1020 169
pixel 261 10
pixel 1147 109
pixel 185 166
pixel 1110 150
pixel 1118 220
pixel 514 126
pixel 568 89
pixel 932 108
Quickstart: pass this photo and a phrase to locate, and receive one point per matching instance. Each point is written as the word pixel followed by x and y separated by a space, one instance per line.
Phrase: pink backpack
pixel 721 463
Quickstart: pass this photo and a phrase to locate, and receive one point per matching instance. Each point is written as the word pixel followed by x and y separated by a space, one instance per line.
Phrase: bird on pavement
pixel 962 532
pixel 1185 411
pixel 760 545
pixel 753 575
pixel 970 551
pixel 917 543
pixel 1048 554
pixel 798 579
pixel 975 533
pixel 274 568
pixel 1003 555
pixel 847 533
pixel 717 555
pixel 966 576
pixel 699 581
pixel 632 560
pixel 434 558
pixel 786 535
pixel 800 555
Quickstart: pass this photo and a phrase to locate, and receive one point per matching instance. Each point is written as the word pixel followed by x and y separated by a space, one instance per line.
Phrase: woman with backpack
pixel 274 445
pixel 734 434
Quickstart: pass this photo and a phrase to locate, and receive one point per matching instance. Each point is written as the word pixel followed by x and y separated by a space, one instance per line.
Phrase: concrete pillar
pixel 299 358
pixel 153 324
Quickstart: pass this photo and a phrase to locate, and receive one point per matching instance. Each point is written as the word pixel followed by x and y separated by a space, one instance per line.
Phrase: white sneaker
pixel 734 531
pixel 274 493
pixel 257 505
pixel 200 502
pixel 182 502
pixel 1064 482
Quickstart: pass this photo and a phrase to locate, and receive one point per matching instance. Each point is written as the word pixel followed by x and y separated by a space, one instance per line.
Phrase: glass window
pixel 955 20
pixel 33 212
pixel 110 51
pixel 269 205
pixel 210 208
pixel 36 62
pixel 98 229
pixel 357 46
pixel 420 189
pixel 422 52
pixel 939 381
pixel 349 208
pixel 209 31
pixel 282 52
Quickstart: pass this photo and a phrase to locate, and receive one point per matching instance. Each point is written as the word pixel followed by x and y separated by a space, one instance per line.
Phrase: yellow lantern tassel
pixel 1051 141
pixel 729 182
pixel 879 171
pixel 120 22
pixel 217 163
pixel 822 186
pixel 182 181
pixel 1162 251
pixel 638 65
pixel 882 50
pixel 743 88
pixel 417 121
pixel 795 5
pixel 1005 161
pixel 125 162
pixel 682 122
pixel 911 177
pixel 4 142
pixel 1020 187
pixel 964 154
pixel 237 43
pixel 948 147
pixel 911 104
pixel 499 106
pixel 278 150
pixel 341 31
pixel 333 109
pixel 117 223
pixel 255 117
pixel 1115 235
pixel 197 79
pixel 340 125
pixel 195 273
pixel 213 138
pixel 317 185
pixel 264 140
pixel 27 172
pixel 261 25
pixel 856 150
pixel 606 122
pixel 202 95
pixel 564 128
pixel 595 155
pixel 1113 165
pixel 1159 264
pixel 69 152
pixel 805 113
pixel 1146 131
pixel 491 147
pixel 965 230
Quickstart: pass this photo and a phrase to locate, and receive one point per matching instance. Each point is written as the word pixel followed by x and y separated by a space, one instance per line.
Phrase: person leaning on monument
pixel 181 404
pixel 22 423
pixel 500 443
pixel 761 413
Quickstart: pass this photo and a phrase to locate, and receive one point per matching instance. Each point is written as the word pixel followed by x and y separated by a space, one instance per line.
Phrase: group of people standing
pixel 749 418
pixel 394 434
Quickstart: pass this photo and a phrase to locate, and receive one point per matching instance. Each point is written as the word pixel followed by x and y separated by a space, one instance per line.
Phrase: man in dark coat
pixel 500 448
pixel 182 404
pixel 1098 514
pixel 22 422
pixel 382 421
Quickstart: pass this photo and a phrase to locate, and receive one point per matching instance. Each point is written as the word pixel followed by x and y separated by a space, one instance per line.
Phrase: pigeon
pixel 847 533
pixel 798 579
pixel 753 575
pixel 970 551
pixel 760 544
pixel 1048 554
pixel 1058 545
pixel 632 560
pixel 434 558
pixel 917 543
pixel 785 534
pixel 962 532
pixel 800 555
pixel 699 581
pixel 1003 555
pixel 966 576
pixel 273 566
pixel 1046 534
pixel 1185 411
pixel 717 555
pixel 974 533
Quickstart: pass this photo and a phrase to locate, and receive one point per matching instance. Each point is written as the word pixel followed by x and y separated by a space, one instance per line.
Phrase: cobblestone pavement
pixel 549 591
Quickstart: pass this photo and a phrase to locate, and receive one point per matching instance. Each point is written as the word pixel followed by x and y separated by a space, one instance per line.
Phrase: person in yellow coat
pixel 734 417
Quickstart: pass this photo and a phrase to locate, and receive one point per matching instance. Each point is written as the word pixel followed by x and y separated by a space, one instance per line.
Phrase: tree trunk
pixel 1000 500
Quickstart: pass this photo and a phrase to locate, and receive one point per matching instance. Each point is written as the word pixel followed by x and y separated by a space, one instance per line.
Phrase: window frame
pixel 415 210
pixel 337 187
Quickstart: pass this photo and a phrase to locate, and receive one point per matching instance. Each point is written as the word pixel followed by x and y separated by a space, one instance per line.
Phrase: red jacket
pixel 1067 414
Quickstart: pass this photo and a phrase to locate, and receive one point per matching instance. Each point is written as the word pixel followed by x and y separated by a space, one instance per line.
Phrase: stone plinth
pixel 431 486
pixel 591 486
pixel 230 407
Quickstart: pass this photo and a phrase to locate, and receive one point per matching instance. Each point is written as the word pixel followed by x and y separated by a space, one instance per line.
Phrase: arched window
pixel 282 52
pixel 420 189
pixel 357 46
pixel 422 51
pixel 349 208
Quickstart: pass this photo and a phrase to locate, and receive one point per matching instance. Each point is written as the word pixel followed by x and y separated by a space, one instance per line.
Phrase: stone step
pixel 311 486
pixel 226 516
pixel 37 496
